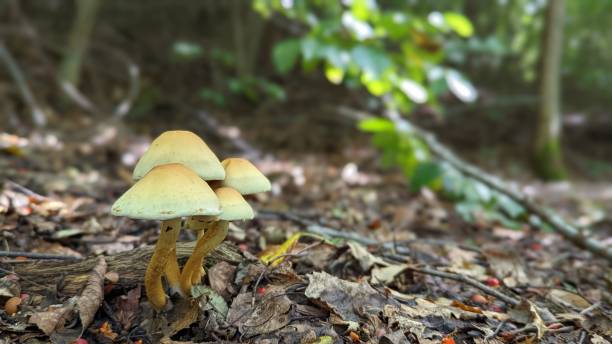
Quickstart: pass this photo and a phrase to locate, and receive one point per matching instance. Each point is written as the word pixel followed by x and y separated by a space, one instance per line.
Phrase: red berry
pixel 80 341
pixel 261 291
pixel 492 282
pixel 536 246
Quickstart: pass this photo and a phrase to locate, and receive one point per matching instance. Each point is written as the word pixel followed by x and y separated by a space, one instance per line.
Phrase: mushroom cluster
pixel 179 177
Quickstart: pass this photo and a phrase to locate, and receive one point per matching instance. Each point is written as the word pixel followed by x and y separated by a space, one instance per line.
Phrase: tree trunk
pixel 78 40
pixel 548 157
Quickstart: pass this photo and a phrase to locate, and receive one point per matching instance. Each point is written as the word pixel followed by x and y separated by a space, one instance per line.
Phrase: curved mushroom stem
pixel 173 273
pixel 165 247
pixel 199 224
pixel 215 234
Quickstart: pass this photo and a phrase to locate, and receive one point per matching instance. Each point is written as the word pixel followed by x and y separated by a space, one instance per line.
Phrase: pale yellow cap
pixel 167 192
pixel 243 176
pixel 233 205
pixel 180 147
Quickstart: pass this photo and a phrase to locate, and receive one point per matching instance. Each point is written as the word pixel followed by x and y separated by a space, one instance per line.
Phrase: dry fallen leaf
pixel 465 307
pixel 221 276
pixel 127 308
pixel 346 299
pixel 568 299
pixel 269 314
pixel 366 259
pixel 54 317
pixel 526 313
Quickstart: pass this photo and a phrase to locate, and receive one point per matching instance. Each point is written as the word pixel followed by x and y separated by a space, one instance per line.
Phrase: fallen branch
pixel 71 277
pixel 467 280
pixel 548 217
pixel 35 255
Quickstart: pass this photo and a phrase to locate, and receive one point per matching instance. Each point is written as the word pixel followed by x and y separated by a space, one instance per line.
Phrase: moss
pixel 548 161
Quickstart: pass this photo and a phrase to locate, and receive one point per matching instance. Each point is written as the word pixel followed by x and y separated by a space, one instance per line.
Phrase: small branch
pixel 497 330
pixel 548 217
pixel 467 280
pixel 234 136
pixel 34 255
pixel 316 228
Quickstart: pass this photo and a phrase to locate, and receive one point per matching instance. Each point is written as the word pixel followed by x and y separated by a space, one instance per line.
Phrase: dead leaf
pixel 402 320
pixel 526 313
pixel 221 276
pixel 127 307
pixel 107 331
pixel 386 275
pixel 568 299
pixel 345 298
pixel 366 259
pixel 9 286
pixel 465 307
pixel 188 312
pixel 54 317
pixel 93 294
pixel 270 313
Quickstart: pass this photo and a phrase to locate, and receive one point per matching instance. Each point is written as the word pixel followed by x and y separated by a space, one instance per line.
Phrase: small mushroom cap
pixel 167 192
pixel 180 147
pixel 233 205
pixel 243 176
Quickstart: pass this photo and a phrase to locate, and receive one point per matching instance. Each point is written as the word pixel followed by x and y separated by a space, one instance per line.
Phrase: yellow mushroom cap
pixel 233 205
pixel 167 192
pixel 180 147
pixel 243 176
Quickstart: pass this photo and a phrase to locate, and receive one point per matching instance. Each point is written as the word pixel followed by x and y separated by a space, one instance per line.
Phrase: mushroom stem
pixel 173 273
pixel 215 234
pixel 199 224
pixel 164 249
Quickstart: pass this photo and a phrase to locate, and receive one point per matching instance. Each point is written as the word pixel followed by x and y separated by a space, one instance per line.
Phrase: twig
pixel 474 283
pixel 548 217
pixel 34 255
pixel 249 150
pixel 590 308
pixel 496 332
pixel 22 189
pixel 316 228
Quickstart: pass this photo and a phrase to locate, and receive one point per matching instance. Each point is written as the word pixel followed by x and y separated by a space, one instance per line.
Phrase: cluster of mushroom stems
pixel 179 177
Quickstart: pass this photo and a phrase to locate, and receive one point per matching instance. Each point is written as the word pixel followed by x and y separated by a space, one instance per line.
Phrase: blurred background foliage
pixel 454 62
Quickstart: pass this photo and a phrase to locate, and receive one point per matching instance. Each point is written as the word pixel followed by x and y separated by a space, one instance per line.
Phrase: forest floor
pixel 363 260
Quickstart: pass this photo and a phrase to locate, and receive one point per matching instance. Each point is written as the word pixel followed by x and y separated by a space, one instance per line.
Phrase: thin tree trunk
pixel 70 69
pixel 548 157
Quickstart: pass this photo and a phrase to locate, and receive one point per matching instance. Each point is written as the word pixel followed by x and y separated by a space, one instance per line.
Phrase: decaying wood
pixel 71 277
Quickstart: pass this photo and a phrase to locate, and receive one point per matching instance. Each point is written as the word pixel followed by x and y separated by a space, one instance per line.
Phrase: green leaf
pixel 334 74
pixel 461 87
pixel 311 48
pixel 285 55
pixel 426 174
pixel 187 50
pixel 459 23
pixel 377 87
pixel 413 90
pixel 376 125
pixel 371 61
